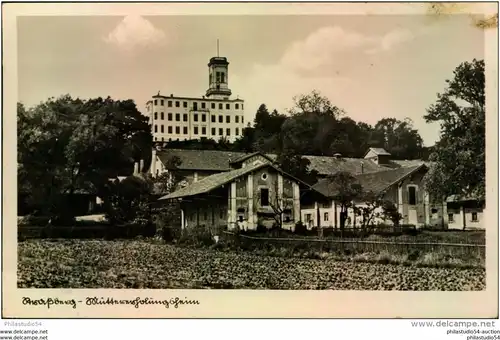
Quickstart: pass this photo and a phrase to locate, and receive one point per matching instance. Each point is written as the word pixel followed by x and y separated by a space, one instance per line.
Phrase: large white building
pixel 214 115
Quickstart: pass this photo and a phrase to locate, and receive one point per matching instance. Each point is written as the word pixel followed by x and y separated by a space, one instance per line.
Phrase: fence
pixel 402 244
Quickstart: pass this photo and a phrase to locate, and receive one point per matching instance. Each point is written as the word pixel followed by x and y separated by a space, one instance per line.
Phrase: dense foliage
pixel 139 264
pixel 459 155
pixel 314 126
pixel 68 146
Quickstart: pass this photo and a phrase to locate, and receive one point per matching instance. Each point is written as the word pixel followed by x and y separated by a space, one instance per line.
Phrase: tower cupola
pixel 218 77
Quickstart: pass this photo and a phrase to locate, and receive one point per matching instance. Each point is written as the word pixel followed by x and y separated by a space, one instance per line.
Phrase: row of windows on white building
pixel 170 117
pixel 203 105
pixel 196 130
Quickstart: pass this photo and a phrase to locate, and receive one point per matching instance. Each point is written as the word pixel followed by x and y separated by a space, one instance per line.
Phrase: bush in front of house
pixel 196 236
pixel 300 229
pixel 261 229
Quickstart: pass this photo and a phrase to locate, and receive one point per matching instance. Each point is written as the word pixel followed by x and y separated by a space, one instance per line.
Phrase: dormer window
pixel 378 155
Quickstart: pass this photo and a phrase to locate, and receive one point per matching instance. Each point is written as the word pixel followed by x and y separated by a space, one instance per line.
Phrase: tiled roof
pixel 330 165
pixel 249 155
pixel 212 182
pixel 202 160
pixel 375 182
pixel 459 198
pixel 214 160
pixel 379 151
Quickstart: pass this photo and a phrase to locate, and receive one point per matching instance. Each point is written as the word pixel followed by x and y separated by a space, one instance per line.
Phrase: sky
pixel 372 66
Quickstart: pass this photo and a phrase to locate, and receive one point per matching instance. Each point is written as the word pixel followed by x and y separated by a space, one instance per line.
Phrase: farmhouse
pixel 197 164
pixel 402 186
pixel 400 181
pixel 255 193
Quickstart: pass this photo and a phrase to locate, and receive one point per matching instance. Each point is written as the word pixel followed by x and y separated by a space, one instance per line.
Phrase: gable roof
pixel 215 160
pixel 201 160
pixel 243 158
pixel 217 180
pixel 376 182
pixel 378 152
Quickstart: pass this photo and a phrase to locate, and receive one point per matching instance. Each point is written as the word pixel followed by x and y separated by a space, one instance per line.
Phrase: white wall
pixel 458 223
pixel 233 113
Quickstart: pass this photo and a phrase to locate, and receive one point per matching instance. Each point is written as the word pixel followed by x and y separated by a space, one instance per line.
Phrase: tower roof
pixel 218 61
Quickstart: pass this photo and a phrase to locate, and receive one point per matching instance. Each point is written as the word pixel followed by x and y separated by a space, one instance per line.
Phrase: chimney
pixel 141 165
pixel 136 168
pixel 153 162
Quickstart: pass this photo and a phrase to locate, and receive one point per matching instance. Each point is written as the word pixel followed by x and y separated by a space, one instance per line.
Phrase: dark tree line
pixel 69 146
pixel 316 127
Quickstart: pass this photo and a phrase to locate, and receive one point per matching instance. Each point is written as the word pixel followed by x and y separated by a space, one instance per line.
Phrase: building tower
pixel 218 77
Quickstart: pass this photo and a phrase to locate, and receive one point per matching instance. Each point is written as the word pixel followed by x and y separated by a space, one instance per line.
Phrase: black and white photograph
pixel 342 152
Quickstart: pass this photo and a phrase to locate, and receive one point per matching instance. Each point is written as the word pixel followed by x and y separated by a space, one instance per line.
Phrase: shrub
pixel 169 234
pixel 414 255
pixel 300 229
pixel 261 229
pixel 328 231
pixel 196 236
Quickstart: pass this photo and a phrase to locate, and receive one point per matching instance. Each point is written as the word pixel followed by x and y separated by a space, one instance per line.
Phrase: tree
pixel 245 143
pixel 297 166
pixel 267 129
pixel 398 137
pixel 167 213
pixel 346 190
pixel 390 212
pixel 372 202
pixel 128 201
pixel 279 206
pixel 459 155
pixel 68 145
pixel 315 102
pixel 311 128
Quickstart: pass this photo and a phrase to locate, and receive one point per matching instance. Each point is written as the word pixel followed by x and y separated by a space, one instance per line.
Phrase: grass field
pixel 147 264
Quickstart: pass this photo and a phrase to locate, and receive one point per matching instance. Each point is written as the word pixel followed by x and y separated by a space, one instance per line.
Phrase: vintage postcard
pixel 250 160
